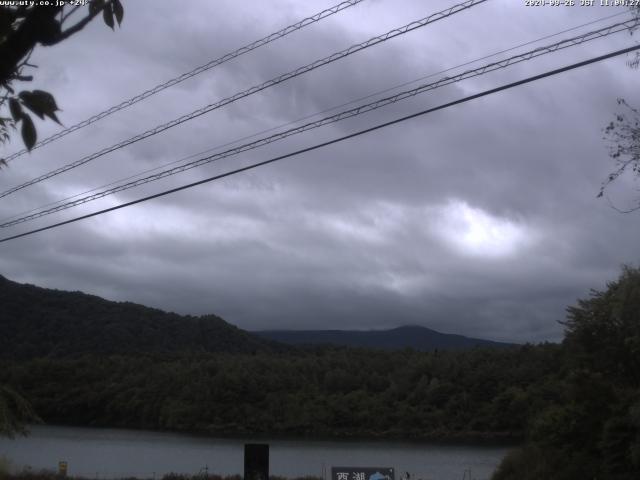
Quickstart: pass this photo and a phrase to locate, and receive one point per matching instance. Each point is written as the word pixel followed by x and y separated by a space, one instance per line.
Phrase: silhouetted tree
pixel 23 28
pixel 588 425
pixel 623 134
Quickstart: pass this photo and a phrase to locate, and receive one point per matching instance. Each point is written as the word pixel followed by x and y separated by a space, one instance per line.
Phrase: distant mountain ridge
pixel 41 322
pixel 415 337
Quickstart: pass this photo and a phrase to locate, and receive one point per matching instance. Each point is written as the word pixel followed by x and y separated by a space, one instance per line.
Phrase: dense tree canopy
pixel 591 429
pixel 341 392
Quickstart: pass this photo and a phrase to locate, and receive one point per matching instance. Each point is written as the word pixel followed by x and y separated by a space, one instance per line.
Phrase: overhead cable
pixel 306 117
pixel 570 42
pixel 275 81
pixel 196 71
pixel 331 142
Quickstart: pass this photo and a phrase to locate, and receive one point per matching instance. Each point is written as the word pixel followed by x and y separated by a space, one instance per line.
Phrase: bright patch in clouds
pixel 475 232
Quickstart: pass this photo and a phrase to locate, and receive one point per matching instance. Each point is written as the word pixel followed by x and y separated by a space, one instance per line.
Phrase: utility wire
pixel 306 117
pixel 275 81
pixel 196 71
pixel 603 32
pixel 335 140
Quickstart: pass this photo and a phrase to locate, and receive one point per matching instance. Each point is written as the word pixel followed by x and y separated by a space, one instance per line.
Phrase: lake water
pixel 113 453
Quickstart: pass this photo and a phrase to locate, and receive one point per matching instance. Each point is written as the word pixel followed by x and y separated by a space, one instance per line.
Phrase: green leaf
pixel 118 10
pixel 107 15
pixel 27 100
pixel 15 108
pixel 41 103
pixel 29 136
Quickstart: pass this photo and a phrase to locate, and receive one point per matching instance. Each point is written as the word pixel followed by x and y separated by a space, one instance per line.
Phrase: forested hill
pixel 415 337
pixel 40 322
pixel 577 403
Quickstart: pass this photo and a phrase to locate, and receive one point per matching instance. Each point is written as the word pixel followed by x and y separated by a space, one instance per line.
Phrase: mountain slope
pixel 416 337
pixel 40 322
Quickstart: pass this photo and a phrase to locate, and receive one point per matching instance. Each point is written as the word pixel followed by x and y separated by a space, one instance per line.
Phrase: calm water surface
pixel 109 453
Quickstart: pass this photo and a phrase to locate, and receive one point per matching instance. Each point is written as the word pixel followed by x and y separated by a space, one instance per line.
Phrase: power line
pixel 600 33
pixel 196 71
pixel 306 117
pixel 275 81
pixel 340 116
pixel 335 140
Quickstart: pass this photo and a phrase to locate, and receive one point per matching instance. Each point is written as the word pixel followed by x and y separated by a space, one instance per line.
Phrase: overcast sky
pixel 481 219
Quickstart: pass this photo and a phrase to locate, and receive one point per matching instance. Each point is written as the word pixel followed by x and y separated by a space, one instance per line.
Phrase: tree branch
pixel 619 210
pixel 18 45
pixel 81 24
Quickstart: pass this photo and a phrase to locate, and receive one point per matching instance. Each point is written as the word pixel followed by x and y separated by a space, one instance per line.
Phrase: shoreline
pixel 475 439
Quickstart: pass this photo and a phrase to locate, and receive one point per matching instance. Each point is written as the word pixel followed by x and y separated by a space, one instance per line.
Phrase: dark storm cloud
pixel 480 219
